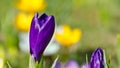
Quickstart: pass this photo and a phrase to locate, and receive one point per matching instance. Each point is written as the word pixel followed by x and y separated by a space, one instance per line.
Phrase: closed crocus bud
pixel 71 64
pixel 41 32
pixel 97 60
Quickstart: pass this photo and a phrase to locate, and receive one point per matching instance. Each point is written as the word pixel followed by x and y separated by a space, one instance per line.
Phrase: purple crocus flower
pixel 41 32
pixel 97 60
pixel 71 64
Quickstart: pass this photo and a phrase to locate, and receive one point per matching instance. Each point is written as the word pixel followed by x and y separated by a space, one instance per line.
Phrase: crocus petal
pixel 71 64
pixel 97 60
pixel 85 65
pixel 41 32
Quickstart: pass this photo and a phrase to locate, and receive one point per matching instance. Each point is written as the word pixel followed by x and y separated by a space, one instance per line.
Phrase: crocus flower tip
pixel 97 60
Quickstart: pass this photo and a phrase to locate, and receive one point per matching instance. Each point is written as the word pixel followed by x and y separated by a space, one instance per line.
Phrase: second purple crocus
pixel 97 59
pixel 41 32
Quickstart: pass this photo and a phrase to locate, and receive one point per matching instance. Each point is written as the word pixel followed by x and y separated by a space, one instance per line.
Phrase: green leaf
pixel 39 65
pixel 87 59
pixel 33 64
pixel 9 66
pixel 105 63
pixel 55 61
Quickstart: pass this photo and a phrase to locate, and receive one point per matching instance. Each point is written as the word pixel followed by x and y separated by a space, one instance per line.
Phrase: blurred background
pixel 81 27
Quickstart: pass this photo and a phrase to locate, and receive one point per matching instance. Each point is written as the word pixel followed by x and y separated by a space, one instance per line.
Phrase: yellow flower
pixel 67 36
pixel 1 63
pixel 31 5
pixel 23 21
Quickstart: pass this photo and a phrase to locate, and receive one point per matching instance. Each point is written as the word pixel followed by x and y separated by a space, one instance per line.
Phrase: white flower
pixel 24 41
